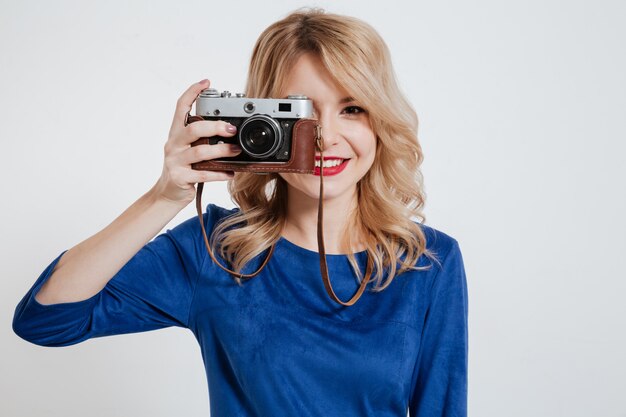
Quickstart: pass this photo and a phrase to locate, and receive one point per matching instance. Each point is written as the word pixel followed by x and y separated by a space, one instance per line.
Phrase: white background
pixel 521 108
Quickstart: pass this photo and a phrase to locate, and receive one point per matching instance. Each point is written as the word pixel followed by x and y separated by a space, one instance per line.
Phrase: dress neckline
pixel 309 253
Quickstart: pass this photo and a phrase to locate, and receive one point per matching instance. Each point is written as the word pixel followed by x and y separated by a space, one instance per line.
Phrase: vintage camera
pixel 274 134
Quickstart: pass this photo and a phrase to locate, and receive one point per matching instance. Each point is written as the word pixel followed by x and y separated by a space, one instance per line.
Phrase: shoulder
pixel 190 228
pixel 438 243
pixel 214 213
pixel 448 267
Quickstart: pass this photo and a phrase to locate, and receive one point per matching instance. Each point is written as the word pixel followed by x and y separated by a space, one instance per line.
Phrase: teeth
pixel 330 163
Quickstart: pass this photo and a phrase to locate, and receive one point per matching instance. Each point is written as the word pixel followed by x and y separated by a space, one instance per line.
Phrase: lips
pixel 334 170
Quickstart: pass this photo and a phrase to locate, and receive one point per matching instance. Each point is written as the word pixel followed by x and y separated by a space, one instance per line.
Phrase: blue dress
pixel 278 345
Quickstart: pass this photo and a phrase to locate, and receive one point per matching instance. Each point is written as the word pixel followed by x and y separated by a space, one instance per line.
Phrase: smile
pixel 331 166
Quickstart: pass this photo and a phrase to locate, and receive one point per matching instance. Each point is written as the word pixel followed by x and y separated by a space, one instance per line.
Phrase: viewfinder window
pixel 284 106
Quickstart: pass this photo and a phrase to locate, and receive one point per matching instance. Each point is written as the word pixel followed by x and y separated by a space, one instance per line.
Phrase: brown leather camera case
pixel 302 153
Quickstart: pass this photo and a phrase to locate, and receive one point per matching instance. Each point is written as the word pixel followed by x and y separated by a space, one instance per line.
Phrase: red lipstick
pixel 329 171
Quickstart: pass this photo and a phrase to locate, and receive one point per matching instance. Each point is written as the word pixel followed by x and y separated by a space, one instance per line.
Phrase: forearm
pixel 85 269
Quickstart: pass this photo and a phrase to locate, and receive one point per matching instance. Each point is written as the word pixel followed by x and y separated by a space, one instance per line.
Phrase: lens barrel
pixel 260 136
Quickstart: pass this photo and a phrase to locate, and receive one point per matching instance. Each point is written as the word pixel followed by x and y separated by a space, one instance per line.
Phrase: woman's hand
pixel 177 180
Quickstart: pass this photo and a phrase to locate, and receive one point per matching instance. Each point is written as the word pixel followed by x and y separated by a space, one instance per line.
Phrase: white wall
pixel 522 122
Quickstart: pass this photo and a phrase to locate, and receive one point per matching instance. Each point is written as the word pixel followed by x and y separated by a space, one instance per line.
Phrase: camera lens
pixel 260 136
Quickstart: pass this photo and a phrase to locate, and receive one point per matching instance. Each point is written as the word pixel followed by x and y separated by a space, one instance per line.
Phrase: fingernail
pixel 230 128
pixel 203 81
pixel 235 148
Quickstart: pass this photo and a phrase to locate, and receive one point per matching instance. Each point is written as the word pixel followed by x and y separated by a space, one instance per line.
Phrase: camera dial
pixel 210 92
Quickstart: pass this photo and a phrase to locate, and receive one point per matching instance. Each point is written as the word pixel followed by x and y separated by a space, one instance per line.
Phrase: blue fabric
pixel 278 345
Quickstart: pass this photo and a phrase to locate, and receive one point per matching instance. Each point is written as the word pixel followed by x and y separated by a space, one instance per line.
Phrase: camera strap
pixel 320 239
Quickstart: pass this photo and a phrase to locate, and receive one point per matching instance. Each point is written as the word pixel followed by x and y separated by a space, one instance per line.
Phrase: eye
pixel 353 110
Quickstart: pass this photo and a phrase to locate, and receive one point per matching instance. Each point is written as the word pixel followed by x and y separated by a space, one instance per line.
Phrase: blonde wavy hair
pixel 390 195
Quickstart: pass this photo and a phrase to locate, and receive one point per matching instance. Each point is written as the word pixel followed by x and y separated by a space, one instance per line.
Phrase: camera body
pixel 272 133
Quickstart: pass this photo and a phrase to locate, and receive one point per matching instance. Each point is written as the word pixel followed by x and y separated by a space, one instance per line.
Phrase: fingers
pixel 203 153
pixel 204 129
pixel 207 176
pixel 184 103
pixel 207 152
pixel 179 155
pixel 180 173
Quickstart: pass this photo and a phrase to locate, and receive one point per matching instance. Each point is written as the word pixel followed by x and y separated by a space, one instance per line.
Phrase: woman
pixel 276 344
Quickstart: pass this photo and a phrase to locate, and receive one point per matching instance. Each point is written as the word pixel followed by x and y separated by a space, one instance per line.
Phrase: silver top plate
pixel 212 103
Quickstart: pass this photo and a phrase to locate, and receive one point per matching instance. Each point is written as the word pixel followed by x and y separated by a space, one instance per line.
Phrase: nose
pixel 330 131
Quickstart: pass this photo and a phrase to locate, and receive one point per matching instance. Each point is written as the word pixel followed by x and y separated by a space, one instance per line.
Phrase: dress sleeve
pixel 440 376
pixel 153 290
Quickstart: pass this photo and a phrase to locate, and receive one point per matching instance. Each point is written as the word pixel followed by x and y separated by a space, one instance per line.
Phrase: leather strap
pixel 208 245
pixel 320 239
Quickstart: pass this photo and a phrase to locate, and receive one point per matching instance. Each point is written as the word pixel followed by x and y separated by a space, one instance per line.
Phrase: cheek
pixel 291 179
pixel 365 148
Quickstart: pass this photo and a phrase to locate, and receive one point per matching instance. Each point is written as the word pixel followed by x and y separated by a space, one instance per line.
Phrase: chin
pixel 329 193
pixel 310 187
